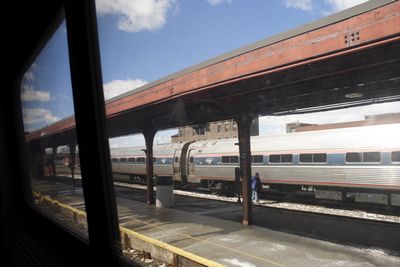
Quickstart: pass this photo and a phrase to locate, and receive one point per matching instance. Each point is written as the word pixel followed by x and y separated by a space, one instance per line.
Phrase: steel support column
pixel 40 162
pixel 149 137
pixel 244 123
pixel 53 160
pixel 72 147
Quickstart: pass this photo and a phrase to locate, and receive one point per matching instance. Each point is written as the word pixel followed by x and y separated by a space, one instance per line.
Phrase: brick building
pixel 212 130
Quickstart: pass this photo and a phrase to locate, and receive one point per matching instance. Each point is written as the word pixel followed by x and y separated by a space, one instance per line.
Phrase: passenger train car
pixel 359 162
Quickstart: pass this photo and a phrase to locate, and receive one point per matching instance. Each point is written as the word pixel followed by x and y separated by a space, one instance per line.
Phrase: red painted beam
pixel 353 34
pixel 369 26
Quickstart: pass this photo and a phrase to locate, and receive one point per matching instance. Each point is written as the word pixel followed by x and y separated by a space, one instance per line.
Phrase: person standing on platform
pixel 255 187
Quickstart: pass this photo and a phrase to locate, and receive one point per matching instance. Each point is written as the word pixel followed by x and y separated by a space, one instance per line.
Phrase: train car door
pixel 190 165
pixel 177 165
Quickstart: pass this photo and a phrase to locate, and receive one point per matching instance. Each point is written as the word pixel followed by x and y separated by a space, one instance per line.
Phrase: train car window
pixel 191 159
pixel 176 159
pixel 274 158
pixel 114 159
pixel 140 160
pixel 225 159
pixel 306 158
pixel 46 97
pixel 131 160
pixel 154 159
pixel 257 159
pixel 353 157
pixel 286 158
pixel 395 157
pixel 123 160
pixel 320 157
pixel 234 159
pixel 371 157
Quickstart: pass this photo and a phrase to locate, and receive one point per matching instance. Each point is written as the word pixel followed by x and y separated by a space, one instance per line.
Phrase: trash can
pixel 164 192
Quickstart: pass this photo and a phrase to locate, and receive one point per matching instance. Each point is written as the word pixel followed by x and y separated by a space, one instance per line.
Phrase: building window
pixel 226 126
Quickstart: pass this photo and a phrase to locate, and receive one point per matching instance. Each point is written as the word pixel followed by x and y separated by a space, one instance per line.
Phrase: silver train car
pixel 362 163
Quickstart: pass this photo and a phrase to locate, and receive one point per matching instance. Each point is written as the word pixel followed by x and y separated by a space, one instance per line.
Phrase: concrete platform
pixel 233 244
pixel 230 243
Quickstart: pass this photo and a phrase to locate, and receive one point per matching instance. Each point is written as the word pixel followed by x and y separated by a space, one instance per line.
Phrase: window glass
pixel 287 158
pixel 47 103
pixel 234 159
pixel 131 160
pixel 164 67
pixel 123 160
pixel 225 159
pixel 306 158
pixel 371 157
pixel 353 157
pixel 257 159
pixel 395 157
pixel 274 158
pixel 320 157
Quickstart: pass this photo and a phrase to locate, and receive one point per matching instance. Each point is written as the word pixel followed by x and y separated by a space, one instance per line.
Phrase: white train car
pixel 363 161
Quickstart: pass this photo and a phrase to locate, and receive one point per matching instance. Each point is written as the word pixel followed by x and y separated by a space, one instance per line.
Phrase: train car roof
pixel 353 138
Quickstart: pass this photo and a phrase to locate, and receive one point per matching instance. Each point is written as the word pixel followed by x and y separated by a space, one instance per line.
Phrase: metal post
pixel 53 161
pixel 244 123
pixel 40 162
pixel 72 148
pixel 149 137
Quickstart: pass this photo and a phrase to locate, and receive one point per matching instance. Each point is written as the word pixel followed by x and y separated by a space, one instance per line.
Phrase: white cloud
pixel 117 87
pixel 328 7
pixel 127 141
pixel 137 15
pixel 30 73
pixel 271 125
pixel 30 94
pixel 38 115
pixel 217 2
pixel 338 5
pixel 299 4
pixel 162 137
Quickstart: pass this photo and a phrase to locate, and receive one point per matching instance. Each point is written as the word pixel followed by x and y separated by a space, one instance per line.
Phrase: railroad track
pixel 292 204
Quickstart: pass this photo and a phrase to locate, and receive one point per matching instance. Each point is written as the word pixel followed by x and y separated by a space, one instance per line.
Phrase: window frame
pixel 280 159
pixel 362 162
pixel 391 157
pixel 312 159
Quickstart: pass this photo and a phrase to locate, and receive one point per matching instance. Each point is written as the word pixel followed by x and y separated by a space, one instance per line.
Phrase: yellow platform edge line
pixel 170 248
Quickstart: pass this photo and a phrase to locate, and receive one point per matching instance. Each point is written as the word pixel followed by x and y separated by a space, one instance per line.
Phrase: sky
pixel 144 40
